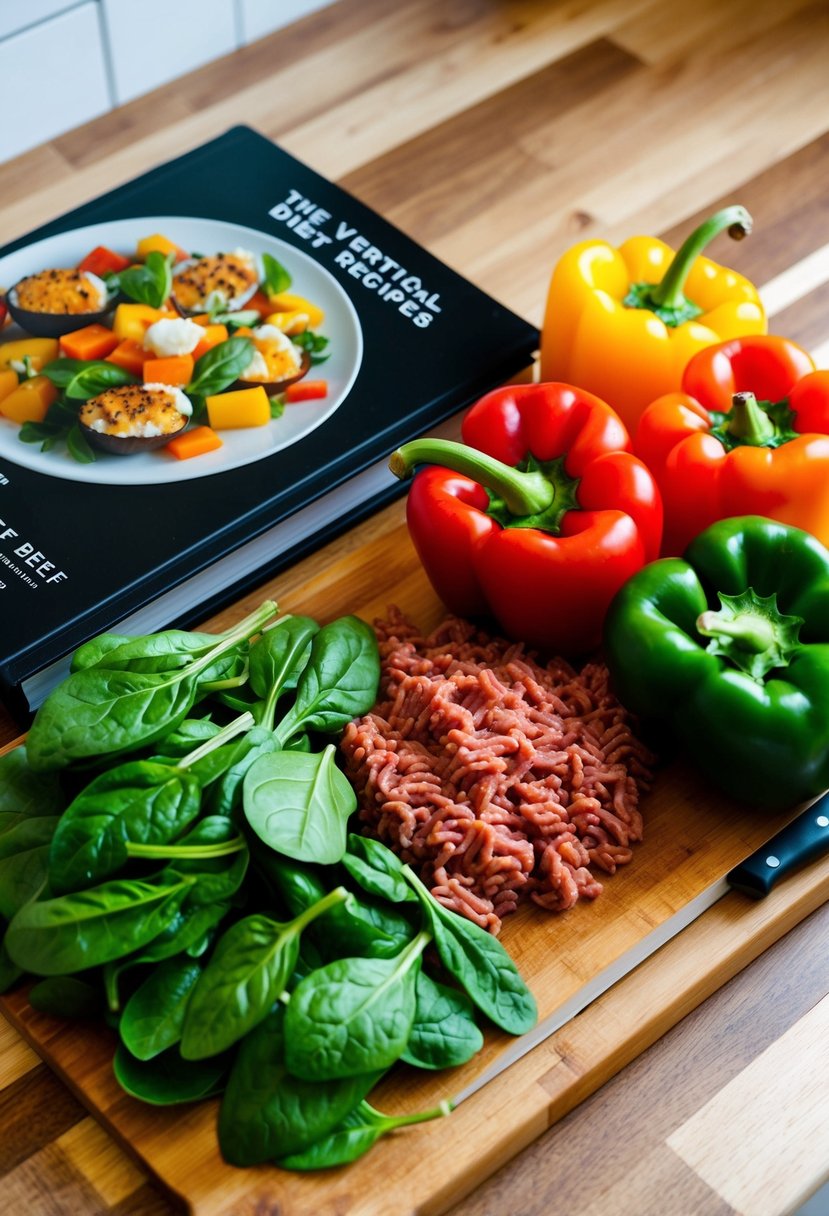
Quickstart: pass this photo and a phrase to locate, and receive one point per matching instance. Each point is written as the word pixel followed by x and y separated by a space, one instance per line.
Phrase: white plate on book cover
pixel 239 447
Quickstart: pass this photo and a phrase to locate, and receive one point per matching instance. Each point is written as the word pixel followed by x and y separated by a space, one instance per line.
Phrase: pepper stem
pixel 751 631
pixel 670 292
pixel 748 422
pixel 523 493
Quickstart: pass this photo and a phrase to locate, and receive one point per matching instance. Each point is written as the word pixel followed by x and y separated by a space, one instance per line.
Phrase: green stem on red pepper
pixel 667 298
pixel 533 497
pixel 748 423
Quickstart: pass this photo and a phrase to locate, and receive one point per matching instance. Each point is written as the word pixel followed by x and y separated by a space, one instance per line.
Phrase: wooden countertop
pixel 497 134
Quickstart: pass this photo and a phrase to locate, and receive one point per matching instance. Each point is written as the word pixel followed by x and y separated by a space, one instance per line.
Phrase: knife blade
pixel 802 840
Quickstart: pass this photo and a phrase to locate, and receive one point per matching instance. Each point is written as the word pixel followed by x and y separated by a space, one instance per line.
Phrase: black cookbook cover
pixel 77 557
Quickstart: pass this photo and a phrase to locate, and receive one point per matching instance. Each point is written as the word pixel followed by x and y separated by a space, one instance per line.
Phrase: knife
pixel 804 839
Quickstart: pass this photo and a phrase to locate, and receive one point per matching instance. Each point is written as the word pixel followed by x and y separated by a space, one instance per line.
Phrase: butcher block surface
pixel 692 837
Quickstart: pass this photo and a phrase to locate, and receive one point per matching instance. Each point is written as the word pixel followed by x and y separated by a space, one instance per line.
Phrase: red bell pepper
pixel 538 518
pixel 102 260
pixel 747 435
pixel 306 390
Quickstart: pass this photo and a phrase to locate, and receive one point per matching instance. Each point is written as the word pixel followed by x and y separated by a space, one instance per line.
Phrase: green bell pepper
pixel 729 646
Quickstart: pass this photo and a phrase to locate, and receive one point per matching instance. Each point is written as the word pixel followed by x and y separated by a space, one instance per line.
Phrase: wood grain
pixel 497 133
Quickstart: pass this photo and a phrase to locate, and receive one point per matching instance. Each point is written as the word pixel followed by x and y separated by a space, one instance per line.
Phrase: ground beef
pixel 496 778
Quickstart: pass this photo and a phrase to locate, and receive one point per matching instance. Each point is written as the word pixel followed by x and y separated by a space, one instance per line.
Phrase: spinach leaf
pixel 377 869
pixel 249 970
pixel 189 932
pixel 138 802
pixel 220 366
pixel 352 1016
pixel 297 887
pixel 189 734
pixel 480 963
pixel 101 712
pixel 299 803
pixel 81 379
pixel 267 1113
pixel 216 856
pixel 30 806
pixel 338 683
pixel 66 996
pixel 314 344
pixel 444 1032
pixel 362 927
pixel 78 447
pixel 148 284
pixel 352 927
pixel 10 973
pixel 167 1080
pixel 358 1132
pixel 276 278
pixel 152 652
pixel 153 1017
pixel 278 658
pixel 88 928
pixel 227 794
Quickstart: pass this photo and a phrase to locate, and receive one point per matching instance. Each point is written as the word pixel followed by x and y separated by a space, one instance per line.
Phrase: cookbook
pixel 134 543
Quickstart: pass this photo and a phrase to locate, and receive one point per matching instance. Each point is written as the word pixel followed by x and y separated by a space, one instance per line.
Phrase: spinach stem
pixel 445 1107
pixel 236 727
pixel 193 852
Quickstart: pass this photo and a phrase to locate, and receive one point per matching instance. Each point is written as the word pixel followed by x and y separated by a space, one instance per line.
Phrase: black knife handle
pixel 804 839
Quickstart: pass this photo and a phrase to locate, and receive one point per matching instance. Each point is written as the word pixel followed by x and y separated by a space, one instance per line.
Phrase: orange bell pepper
pixel 748 435
pixel 619 323
pixel 91 342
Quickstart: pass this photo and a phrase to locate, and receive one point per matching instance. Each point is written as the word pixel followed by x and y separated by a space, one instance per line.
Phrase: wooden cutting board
pixel 692 837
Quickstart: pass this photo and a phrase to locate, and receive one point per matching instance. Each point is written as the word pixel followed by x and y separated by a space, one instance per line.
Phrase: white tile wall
pixel 52 77
pixel 153 41
pixel 125 47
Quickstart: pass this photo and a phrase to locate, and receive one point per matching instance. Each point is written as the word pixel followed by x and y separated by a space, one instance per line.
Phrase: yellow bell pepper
pixel 623 323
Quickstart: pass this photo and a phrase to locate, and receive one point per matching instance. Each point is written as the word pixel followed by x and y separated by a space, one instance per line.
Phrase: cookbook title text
pixel 359 258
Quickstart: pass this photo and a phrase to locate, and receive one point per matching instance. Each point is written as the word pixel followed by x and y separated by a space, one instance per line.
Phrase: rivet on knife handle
pixel 805 839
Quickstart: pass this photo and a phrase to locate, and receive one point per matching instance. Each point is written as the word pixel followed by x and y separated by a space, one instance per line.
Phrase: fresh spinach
pixel 150 283
pixel 88 928
pixel 249 970
pixel 444 1032
pixel 80 379
pixel 167 1080
pixel 153 1017
pixel 266 1112
pixel 299 804
pixel 216 856
pixel 278 658
pixel 339 681
pixel 136 803
pixel 352 1016
pixel 219 367
pixel 377 870
pixel 480 963
pixel 358 1132
pixel 30 806
pixel 10 973
pixel 275 278
pixel 101 712
pixel 226 795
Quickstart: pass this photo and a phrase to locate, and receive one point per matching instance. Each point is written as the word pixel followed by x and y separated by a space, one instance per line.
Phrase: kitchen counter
pixel 497 134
